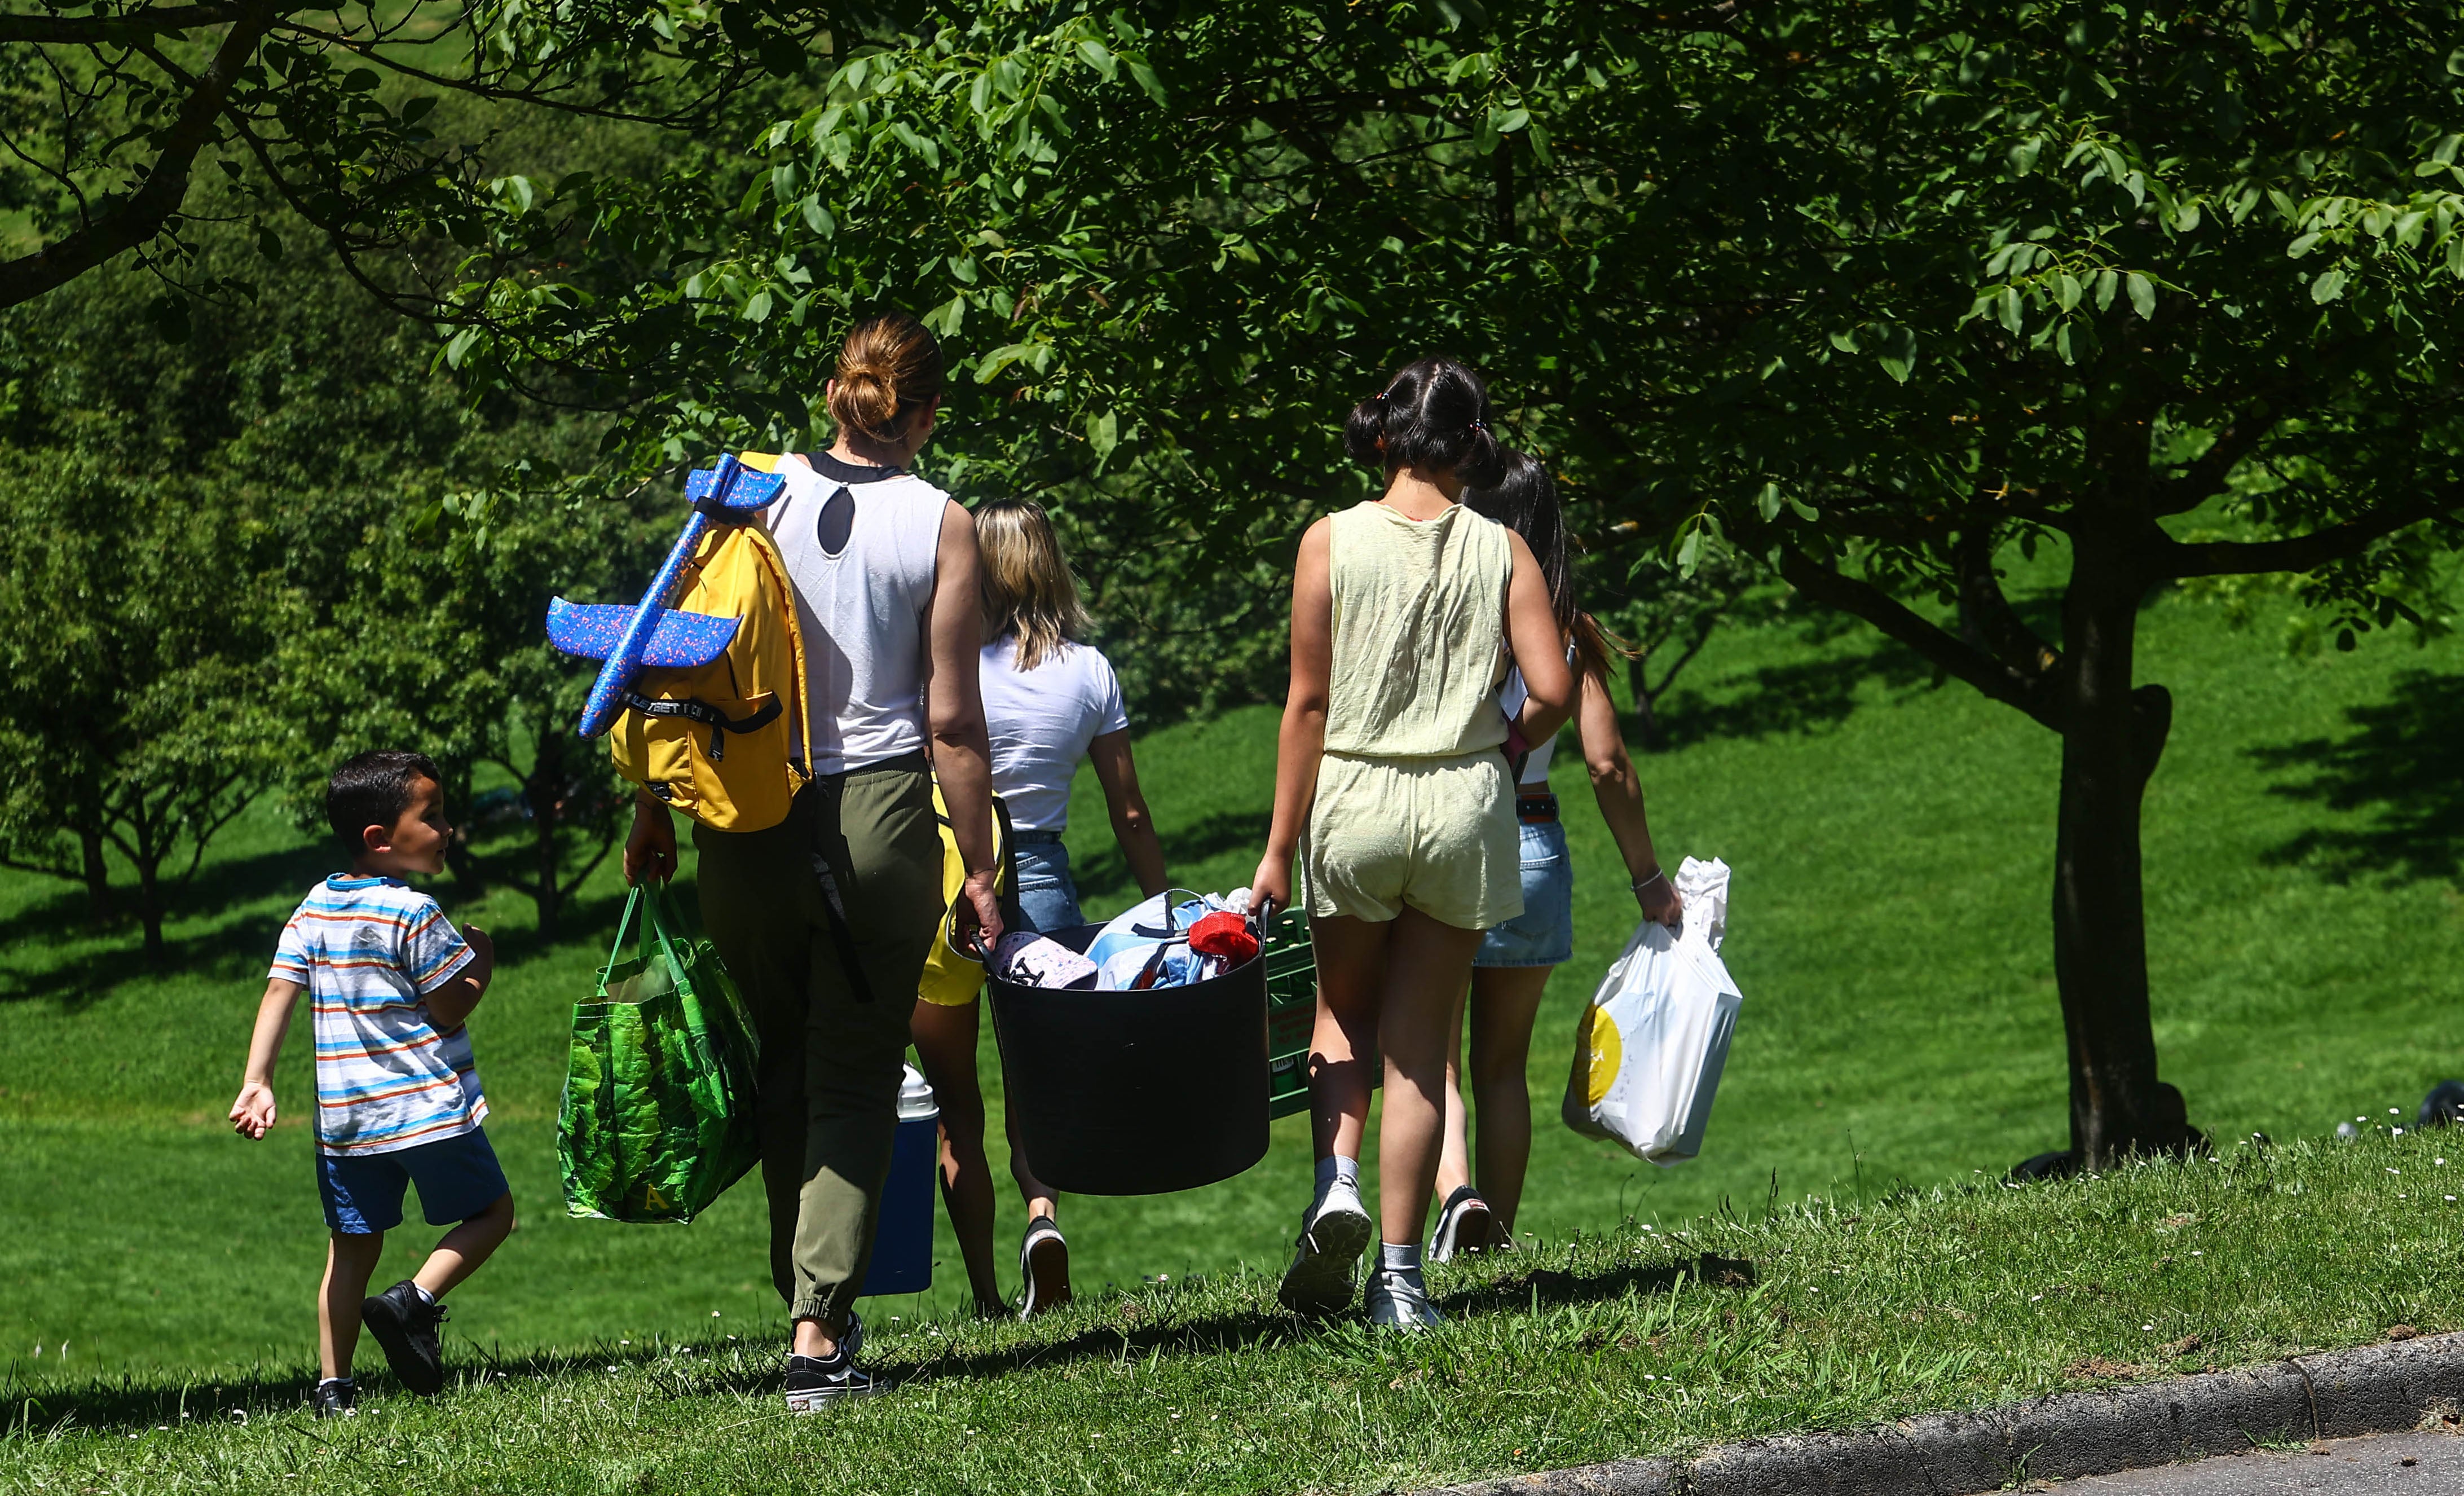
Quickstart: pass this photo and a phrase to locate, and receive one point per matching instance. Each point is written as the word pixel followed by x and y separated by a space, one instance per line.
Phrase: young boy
pixel 390 984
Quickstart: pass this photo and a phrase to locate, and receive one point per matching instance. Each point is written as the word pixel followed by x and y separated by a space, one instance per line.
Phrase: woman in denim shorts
pixel 1515 959
pixel 1050 703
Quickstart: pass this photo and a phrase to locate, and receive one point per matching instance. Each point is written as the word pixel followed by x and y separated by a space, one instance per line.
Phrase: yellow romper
pixel 1414 802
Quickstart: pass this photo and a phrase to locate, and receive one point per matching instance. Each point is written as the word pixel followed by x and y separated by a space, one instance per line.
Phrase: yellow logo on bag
pixel 1608 1053
pixel 739 780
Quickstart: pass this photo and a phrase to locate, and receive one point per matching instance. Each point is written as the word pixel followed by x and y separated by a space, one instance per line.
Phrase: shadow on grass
pixel 1802 696
pixel 2403 764
pixel 213 927
pixel 1106 873
pixel 1134 1325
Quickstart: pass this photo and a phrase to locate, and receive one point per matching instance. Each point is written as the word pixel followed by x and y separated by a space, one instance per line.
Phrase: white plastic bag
pixel 1649 1050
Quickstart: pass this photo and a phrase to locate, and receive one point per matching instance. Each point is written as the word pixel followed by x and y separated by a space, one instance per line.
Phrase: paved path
pixel 2388 1465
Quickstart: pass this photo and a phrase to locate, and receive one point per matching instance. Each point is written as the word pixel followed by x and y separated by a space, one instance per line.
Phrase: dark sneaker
pixel 336 1398
pixel 1043 1262
pixel 814 1382
pixel 1333 1235
pixel 1465 1224
pixel 405 1324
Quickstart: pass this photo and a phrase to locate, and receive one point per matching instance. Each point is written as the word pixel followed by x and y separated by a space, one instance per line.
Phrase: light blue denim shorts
pixel 1047 898
pixel 1543 934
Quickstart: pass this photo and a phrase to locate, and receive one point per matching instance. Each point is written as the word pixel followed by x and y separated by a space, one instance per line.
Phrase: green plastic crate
pixel 1291 1012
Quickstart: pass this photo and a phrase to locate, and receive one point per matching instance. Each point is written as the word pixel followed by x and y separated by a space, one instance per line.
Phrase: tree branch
pixel 2175 559
pixel 1828 586
pixel 1986 617
pixel 141 216
pixel 63 30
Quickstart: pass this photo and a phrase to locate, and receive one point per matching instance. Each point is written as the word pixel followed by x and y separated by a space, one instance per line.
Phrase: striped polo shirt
pixel 370 950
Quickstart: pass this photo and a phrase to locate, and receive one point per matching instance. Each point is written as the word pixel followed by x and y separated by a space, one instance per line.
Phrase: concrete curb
pixel 2379 1388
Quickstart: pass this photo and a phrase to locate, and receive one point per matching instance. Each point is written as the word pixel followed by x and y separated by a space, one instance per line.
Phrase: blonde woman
pixel 1050 701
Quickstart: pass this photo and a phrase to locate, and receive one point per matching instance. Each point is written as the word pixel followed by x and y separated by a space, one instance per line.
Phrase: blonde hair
pixel 1027 588
pixel 889 368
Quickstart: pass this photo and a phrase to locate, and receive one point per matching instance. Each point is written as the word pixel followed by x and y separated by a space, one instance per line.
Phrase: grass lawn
pixel 1892 843
pixel 1632 1341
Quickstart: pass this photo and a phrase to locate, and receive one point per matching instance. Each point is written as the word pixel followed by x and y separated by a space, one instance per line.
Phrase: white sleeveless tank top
pixel 863 566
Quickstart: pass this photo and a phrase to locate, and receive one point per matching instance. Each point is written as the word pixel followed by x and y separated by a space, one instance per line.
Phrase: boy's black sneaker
pixel 814 1382
pixel 405 1324
pixel 336 1398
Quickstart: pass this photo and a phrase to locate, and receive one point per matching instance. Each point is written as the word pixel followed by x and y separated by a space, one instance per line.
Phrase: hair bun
pixel 889 368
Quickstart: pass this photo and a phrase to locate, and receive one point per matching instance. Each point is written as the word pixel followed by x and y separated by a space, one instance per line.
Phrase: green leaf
pixel 269 244
pixel 2455 62
pixel 418 109
pixel 758 309
pixel 2142 295
pixel 2066 291
pixel 1896 348
pixel 2301 246
pixel 1768 502
pixel 2330 285
pixel 2105 282
pixel 999 359
pixel 1688 551
pixel 1099 58
pixel 361 80
pixel 2007 310
pixel 818 218
pixel 1103 433
pixel 2023 154
pixel 780 57
pixel 1145 78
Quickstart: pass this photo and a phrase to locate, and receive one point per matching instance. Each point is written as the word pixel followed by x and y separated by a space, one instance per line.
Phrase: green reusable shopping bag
pixel 658 1118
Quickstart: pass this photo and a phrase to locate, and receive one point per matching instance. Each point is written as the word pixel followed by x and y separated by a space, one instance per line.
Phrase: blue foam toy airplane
pixel 652 634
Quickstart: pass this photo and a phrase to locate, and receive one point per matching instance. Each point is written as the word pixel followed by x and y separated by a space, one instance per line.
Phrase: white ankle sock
pixel 1400 1257
pixel 424 1297
pixel 1336 1166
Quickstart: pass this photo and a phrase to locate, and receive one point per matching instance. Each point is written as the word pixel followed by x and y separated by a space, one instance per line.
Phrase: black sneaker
pixel 336 1398
pixel 1464 1226
pixel 1043 1262
pixel 814 1382
pixel 405 1324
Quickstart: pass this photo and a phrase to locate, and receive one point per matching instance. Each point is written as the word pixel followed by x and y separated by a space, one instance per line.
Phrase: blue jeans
pixel 1047 900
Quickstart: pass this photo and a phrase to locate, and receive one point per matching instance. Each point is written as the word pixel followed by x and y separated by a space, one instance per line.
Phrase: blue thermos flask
pixel 902 1236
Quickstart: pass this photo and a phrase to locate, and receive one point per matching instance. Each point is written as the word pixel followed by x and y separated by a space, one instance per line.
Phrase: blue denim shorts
pixel 457 1178
pixel 1543 934
pixel 1047 900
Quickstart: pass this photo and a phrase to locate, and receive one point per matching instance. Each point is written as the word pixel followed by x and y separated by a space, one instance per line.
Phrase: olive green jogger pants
pixel 830 1064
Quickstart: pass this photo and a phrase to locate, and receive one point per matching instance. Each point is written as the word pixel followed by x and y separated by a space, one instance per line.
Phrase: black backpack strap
pixel 692 709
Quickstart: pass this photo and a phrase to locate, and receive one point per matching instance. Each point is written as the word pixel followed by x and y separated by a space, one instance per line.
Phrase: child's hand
pixel 251 1115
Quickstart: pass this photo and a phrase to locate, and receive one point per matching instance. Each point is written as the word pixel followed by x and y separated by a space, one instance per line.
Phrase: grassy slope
pixel 1633 1342
pixel 1891 842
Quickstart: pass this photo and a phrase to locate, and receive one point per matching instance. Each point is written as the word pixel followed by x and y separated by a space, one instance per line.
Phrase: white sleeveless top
pixel 860 606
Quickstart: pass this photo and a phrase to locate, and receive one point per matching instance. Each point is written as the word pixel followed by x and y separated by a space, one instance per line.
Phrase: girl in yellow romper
pixel 1392 784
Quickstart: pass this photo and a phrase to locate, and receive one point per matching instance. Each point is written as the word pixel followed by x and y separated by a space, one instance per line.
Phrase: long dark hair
pixel 1524 499
pixel 1433 413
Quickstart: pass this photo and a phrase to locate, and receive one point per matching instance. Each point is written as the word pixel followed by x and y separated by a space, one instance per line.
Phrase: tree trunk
pixel 1647 718
pixel 149 908
pixel 97 876
pixel 2112 736
pixel 545 791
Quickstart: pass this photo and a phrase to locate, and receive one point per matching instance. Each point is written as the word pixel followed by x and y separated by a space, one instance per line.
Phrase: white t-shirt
pixel 1042 721
pixel 861 605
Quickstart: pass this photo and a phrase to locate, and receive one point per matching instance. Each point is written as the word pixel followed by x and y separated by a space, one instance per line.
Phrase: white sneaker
pixel 1398 1303
pixel 1334 1234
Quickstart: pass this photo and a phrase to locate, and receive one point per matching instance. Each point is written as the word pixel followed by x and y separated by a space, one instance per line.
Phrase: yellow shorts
pixel 1437 834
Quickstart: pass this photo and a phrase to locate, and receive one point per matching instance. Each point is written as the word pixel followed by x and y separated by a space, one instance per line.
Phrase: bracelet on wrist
pixel 1658 875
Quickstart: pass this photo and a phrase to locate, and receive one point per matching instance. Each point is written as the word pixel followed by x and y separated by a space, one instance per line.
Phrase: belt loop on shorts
pixel 1536 809
pixel 1034 836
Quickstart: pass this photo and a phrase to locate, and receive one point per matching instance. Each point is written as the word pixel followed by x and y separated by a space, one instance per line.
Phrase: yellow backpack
pixel 713 740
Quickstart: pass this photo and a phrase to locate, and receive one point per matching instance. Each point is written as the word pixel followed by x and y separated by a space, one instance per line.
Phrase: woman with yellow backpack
pixel 825 918
pixel 1050 702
